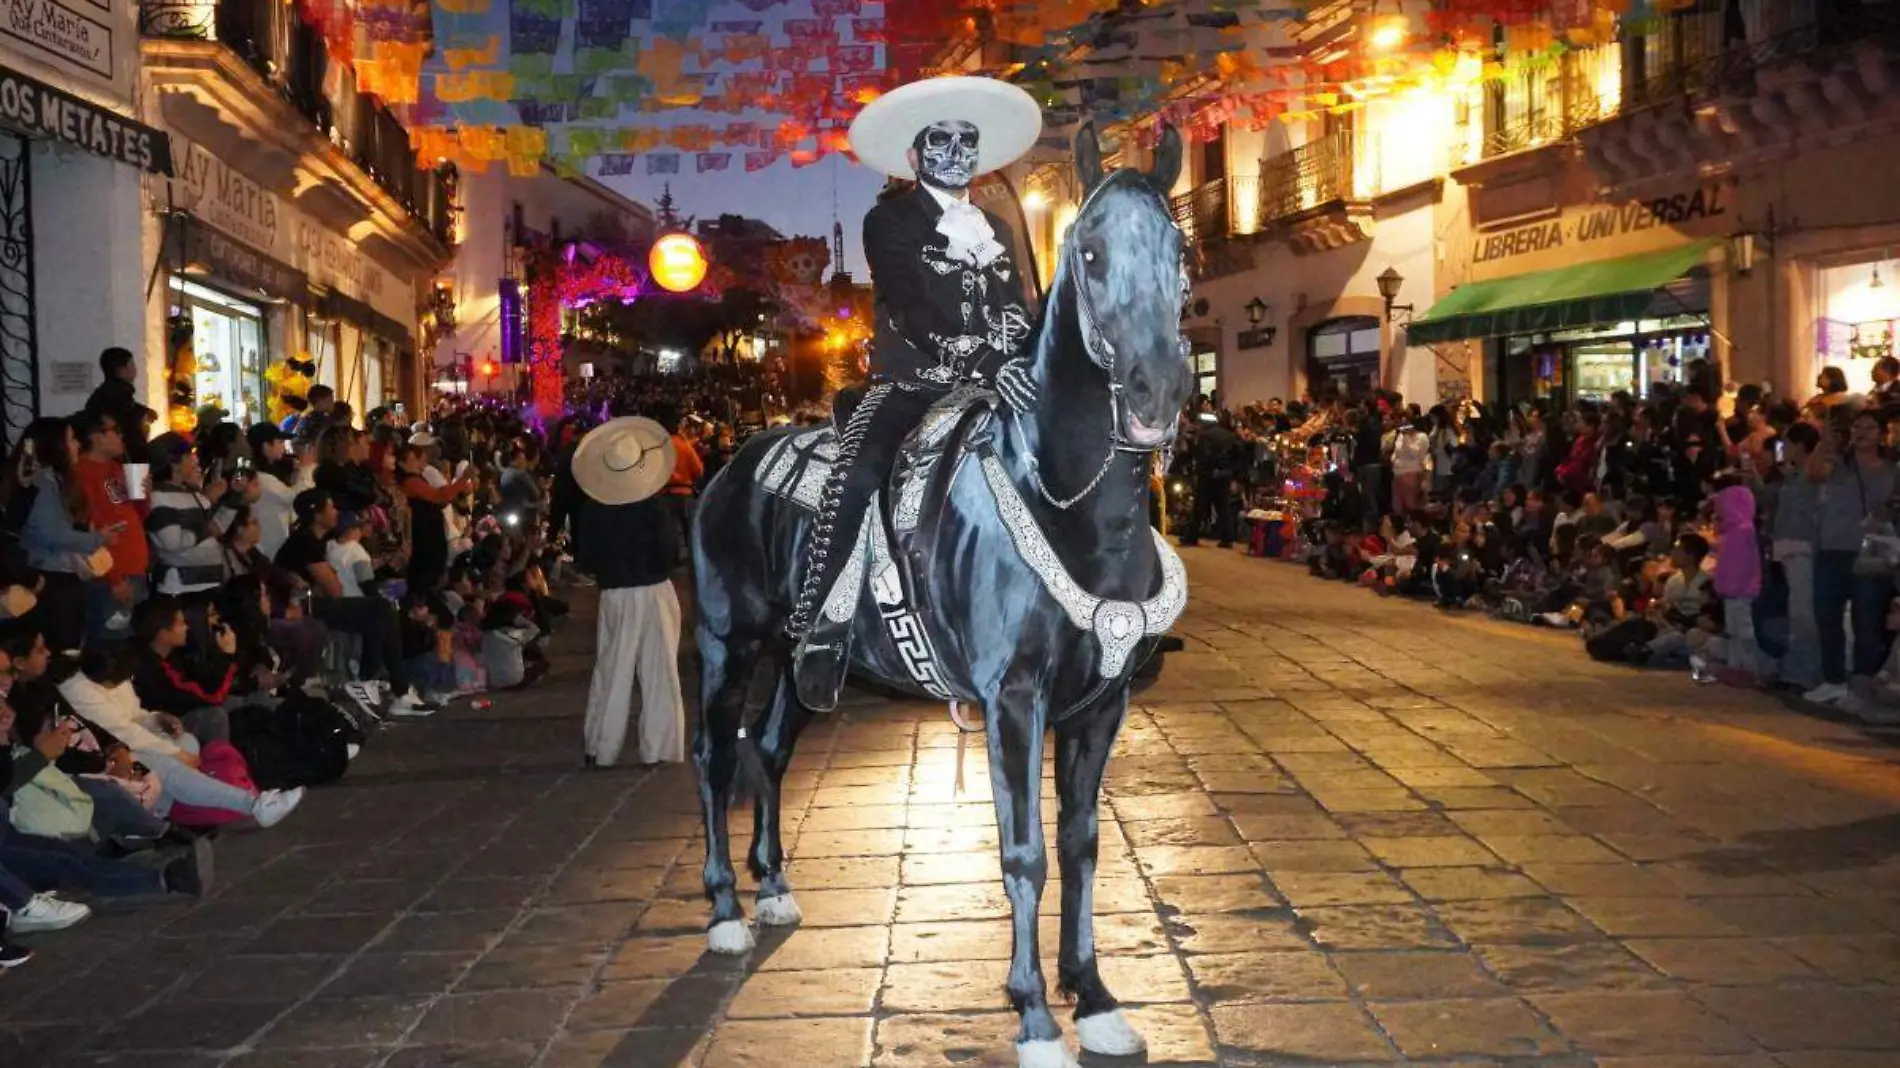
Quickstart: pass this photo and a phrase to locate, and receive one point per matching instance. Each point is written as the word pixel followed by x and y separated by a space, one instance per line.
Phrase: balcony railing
pixel 292 57
pixel 1318 172
pixel 1694 52
pixel 1543 127
pixel 1202 213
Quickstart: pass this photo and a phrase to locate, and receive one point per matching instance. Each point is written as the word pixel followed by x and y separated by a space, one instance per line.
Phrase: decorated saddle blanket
pixel 799 464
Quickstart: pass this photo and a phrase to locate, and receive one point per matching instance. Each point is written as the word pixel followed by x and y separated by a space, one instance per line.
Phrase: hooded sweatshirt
pixel 1738 560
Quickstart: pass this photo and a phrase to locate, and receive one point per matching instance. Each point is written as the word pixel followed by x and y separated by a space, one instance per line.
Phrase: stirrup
pixel 960 718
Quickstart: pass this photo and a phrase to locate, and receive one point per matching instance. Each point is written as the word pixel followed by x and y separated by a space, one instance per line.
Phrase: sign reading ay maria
pixel 68 37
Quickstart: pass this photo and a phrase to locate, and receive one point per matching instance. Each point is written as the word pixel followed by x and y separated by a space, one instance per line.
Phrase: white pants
pixel 637 635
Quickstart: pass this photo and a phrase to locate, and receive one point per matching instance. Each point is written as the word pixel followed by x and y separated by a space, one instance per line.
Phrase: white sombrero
pixel 1008 121
pixel 624 461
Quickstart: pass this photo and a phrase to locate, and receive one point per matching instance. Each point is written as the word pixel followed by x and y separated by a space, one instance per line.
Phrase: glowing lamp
pixel 1389 33
pixel 490 369
pixel 677 263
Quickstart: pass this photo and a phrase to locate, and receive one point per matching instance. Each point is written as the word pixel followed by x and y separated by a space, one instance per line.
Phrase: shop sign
pixel 1597 231
pixel 39 110
pixel 222 196
pixel 230 260
pixel 73 39
pixel 1259 337
pixel 213 190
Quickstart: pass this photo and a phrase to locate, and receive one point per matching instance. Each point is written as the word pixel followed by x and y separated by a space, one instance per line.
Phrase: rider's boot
pixel 820 665
pixel 821 621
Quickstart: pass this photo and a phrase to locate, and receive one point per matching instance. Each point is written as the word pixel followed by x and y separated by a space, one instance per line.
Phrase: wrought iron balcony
pixel 1696 52
pixel 1316 173
pixel 291 56
pixel 1202 213
pixel 1542 127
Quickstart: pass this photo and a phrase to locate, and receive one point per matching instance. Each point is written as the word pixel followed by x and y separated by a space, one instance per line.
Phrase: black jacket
pixel 938 321
pixel 625 545
pixel 116 398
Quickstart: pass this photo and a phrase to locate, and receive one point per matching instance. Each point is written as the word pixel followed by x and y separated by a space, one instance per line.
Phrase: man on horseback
pixel 949 308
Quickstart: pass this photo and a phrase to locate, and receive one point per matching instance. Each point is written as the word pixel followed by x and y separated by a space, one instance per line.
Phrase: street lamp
pixel 1390 281
pixel 1744 244
pixel 1256 311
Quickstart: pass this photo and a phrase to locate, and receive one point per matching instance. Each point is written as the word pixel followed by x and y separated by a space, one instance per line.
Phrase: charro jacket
pixel 939 321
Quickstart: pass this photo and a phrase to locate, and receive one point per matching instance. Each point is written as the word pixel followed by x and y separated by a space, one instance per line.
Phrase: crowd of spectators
pixel 195 627
pixel 1743 537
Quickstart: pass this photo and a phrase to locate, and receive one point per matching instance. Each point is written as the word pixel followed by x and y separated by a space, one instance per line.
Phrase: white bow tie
pixel 972 241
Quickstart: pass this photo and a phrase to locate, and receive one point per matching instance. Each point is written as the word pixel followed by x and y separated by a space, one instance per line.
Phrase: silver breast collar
pixel 1117 625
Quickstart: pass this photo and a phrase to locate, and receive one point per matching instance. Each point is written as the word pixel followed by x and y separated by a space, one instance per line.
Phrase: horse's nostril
pixel 1140 385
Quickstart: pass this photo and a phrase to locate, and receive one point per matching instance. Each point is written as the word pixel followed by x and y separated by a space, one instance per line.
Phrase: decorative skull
pixel 946 155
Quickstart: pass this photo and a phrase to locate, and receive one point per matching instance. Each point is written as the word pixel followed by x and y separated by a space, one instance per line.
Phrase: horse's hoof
pixel 729 938
pixel 779 910
pixel 1044 1053
pixel 1109 1034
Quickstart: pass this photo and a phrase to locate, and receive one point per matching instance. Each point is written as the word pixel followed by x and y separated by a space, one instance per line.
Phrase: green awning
pixel 1563 298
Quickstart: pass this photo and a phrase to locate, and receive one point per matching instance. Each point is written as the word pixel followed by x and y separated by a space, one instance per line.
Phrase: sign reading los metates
pixel 224 197
pixel 85 46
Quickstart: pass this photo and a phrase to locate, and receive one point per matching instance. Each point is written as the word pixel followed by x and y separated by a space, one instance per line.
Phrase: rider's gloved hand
pixel 1017 385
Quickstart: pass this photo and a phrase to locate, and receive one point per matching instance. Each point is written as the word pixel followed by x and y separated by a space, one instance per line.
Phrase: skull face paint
pixel 946 155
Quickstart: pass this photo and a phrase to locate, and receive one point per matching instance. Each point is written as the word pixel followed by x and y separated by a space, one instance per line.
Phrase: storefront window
pixel 378 378
pixel 228 345
pixel 1854 322
pixel 1206 373
pixel 1343 358
pixel 320 341
pixel 1631 357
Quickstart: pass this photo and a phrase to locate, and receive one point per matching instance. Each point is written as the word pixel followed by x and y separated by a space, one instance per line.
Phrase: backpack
pixel 304 741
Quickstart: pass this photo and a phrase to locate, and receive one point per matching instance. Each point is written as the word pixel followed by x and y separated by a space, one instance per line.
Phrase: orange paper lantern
pixel 677 263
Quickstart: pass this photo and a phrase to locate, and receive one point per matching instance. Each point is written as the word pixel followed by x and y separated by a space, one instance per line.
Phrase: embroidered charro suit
pixel 940 322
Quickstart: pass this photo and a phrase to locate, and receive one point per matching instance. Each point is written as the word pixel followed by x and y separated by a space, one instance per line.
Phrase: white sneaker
pixel 352 749
pixel 48 913
pixel 364 697
pixel 1826 694
pixel 412 706
pixel 272 806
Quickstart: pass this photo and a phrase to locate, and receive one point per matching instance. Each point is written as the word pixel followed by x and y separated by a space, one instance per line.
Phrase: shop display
pixel 226 346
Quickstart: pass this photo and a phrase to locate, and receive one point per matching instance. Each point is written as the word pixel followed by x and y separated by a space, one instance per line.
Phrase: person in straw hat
pixel 628 545
pixel 948 305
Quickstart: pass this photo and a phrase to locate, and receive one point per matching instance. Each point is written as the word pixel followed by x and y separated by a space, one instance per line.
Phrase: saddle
pixel 798 465
pixel 902 526
pixel 796 469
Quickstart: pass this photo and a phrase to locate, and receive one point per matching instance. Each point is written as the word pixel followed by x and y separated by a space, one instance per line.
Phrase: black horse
pixel 1039 581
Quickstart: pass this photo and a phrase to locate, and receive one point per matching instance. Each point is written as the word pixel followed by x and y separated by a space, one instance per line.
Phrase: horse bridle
pixel 1100 350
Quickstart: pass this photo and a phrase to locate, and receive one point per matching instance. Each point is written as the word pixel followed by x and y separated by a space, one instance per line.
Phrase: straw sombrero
pixel 1008 121
pixel 624 461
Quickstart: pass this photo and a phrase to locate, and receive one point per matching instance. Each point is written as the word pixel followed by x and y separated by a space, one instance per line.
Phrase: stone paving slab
pixel 1339 831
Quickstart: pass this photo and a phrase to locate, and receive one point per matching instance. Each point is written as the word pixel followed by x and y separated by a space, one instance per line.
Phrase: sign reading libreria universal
pixel 38 110
pixel 1601 230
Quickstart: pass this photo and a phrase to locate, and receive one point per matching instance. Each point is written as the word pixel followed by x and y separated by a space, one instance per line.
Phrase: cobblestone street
pixel 1339 831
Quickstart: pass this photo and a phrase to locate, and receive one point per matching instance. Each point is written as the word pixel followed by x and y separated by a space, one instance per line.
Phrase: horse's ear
pixel 1167 164
pixel 1088 157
